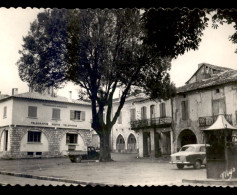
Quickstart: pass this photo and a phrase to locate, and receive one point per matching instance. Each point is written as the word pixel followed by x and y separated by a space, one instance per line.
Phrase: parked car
pixel 90 154
pixel 190 155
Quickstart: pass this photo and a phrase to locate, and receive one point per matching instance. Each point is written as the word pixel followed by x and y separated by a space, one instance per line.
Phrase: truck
pixel 76 156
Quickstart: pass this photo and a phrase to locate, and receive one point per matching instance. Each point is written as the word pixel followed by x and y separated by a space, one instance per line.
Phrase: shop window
pixel 71 138
pixel 77 115
pixel 32 111
pixel 56 114
pixel 34 136
pixel 30 153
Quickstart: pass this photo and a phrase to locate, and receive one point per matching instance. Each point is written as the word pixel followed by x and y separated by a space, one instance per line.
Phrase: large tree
pixel 101 50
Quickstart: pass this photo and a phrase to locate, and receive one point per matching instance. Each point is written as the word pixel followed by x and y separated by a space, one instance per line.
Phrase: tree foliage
pixel 171 32
pixel 101 50
pixel 226 16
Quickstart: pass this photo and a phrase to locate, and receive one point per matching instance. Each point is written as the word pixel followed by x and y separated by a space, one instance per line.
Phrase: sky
pixel 215 48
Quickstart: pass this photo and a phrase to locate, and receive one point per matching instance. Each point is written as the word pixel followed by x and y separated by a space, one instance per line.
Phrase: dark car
pixel 90 154
pixel 190 155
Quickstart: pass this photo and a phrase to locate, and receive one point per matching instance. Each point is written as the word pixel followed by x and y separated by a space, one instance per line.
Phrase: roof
pixel 220 68
pixel 219 124
pixel 38 96
pixel 135 98
pixel 228 76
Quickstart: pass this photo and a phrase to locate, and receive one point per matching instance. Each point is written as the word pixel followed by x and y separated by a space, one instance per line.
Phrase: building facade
pixel 37 125
pixel 144 126
pixel 163 127
pixel 212 90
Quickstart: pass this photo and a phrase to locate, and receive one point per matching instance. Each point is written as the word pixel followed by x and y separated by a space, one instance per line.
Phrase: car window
pixel 188 149
pixel 202 149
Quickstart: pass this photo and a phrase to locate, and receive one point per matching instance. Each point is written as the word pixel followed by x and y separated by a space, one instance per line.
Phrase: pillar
pixel 152 138
pixel 171 142
pixel 140 143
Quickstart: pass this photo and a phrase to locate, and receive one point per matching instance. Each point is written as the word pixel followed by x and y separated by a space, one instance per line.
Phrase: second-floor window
pixel 132 114
pixel 32 111
pixel 56 114
pixel 120 118
pixel 77 115
pixel 184 109
pixel 5 112
pixel 143 113
pixel 152 111
pixel 162 110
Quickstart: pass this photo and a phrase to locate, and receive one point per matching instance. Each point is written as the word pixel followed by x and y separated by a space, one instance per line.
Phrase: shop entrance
pixel 146 144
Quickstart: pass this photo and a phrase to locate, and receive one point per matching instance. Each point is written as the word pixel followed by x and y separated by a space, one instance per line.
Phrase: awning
pixel 220 124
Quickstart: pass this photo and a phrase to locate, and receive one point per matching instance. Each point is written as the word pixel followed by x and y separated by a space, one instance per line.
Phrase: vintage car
pixel 90 154
pixel 190 155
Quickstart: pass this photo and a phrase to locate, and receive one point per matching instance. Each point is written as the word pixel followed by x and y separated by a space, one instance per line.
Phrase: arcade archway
pixel 132 143
pixel 120 143
pixel 186 137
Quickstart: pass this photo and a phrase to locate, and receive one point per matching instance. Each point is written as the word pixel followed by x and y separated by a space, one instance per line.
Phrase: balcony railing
pixel 154 122
pixel 209 120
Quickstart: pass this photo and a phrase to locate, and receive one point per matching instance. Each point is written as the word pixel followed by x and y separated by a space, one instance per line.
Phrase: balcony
pixel 209 120
pixel 151 123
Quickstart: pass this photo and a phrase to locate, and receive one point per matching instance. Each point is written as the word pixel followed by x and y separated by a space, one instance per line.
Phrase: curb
pixel 211 182
pixel 54 179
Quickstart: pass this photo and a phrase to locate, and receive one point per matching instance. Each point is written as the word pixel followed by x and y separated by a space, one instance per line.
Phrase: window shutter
pixel 83 115
pixel 163 110
pixel 32 111
pixel 143 113
pixel 72 114
pixel 184 108
pixel 132 114
pixel 56 113
pixel 120 118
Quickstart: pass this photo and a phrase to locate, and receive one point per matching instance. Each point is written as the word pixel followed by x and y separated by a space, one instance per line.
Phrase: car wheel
pixel 78 159
pixel 180 166
pixel 197 164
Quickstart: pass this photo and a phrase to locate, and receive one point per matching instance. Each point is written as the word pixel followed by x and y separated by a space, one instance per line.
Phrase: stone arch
pixel 4 140
pixel 120 143
pixel 132 143
pixel 42 146
pixel 185 137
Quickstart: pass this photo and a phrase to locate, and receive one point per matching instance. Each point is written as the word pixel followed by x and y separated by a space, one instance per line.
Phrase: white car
pixel 190 155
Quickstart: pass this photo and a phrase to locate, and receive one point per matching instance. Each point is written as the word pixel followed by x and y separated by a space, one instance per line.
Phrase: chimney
pixel 70 96
pixel 14 91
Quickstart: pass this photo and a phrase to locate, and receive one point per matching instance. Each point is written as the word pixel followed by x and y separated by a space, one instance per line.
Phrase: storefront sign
pixel 55 105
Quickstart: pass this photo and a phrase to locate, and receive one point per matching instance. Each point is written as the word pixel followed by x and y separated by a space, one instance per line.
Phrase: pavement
pixel 125 170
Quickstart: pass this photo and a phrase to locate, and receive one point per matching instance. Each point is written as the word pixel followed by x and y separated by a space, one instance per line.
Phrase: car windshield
pixel 187 149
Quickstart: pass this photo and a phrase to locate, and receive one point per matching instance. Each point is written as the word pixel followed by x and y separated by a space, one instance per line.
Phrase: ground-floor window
pixel 71 138
pixel 34 136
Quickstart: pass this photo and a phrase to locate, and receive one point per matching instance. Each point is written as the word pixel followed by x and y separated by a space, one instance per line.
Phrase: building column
pixel 171 142
pixel 140 143
pixel 152 139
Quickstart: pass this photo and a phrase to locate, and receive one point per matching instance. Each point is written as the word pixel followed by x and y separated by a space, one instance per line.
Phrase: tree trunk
pixel 105 151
